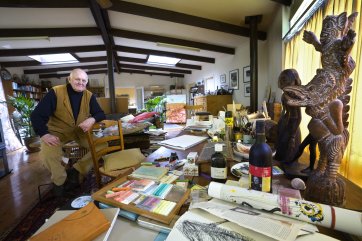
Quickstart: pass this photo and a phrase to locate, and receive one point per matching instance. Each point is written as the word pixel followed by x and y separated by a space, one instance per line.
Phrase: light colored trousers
pixel 52 159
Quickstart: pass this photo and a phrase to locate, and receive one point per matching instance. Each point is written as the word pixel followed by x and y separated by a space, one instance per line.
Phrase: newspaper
pixel 320 214
pixel 270 225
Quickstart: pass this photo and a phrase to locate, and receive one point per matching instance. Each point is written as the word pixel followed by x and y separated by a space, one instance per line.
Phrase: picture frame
pixel 234 79
pixel 246 74
pixel 247 90
pixel 223 79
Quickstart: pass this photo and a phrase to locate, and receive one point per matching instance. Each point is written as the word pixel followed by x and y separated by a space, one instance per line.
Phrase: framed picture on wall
pixel 223 79
pixel 247 90
pixel 246 74
pixel 234 79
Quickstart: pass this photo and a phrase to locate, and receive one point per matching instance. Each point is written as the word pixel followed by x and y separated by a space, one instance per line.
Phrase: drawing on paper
pixel 194 230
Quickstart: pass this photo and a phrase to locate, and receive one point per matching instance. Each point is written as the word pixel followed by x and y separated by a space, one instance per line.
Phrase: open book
pixel 183 142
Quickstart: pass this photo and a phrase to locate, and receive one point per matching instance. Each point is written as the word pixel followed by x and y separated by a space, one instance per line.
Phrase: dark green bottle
pixel 260 162
pixel 218 165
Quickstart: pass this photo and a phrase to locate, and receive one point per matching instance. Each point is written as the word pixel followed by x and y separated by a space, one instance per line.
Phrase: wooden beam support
pixel 164 53
pixel 49 32
pixel 144 67
pixel 59 69
pixel 284 2
pixel 168 40
pixel 176 17
pixel 44 4
pixel 57 50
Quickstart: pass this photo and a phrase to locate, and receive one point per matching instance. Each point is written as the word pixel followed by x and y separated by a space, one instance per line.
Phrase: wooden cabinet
pixel 213 103
pixel 97 91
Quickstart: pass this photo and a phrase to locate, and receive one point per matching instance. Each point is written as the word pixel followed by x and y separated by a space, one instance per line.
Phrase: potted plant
pixel 24 106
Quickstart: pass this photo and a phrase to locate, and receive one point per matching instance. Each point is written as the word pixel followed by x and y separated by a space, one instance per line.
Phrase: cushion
pixel 122 159
pixel 127 118
pixel 143 116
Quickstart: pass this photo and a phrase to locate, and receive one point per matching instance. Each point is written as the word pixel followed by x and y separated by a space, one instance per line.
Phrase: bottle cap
pixel 260 126
pixel 218 147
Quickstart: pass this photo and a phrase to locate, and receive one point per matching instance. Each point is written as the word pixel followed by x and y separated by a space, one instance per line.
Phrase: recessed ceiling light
pixel 54 58
pixel 162 60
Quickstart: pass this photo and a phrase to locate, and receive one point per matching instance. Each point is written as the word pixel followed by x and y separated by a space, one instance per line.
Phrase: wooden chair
pixel 108 149
pixel 191 110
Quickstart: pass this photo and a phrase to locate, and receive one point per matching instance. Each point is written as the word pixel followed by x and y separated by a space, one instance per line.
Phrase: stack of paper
pixel 183 142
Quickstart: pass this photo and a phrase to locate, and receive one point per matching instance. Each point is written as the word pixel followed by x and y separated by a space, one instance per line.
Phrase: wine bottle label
pixel 260 178
pixel 229 122
pixel 218 173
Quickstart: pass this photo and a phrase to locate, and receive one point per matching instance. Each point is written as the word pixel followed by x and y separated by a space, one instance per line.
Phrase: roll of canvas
pixel 320 214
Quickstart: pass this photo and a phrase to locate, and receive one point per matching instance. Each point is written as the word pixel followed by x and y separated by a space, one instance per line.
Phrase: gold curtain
pixel 303 57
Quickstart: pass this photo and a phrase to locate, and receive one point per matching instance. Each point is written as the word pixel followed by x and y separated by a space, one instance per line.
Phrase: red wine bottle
pixel 218 165
pixel 260 162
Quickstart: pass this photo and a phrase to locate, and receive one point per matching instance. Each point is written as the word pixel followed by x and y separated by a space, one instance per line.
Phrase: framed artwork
pixel 234 79
pixel 247 90
pixel 246 74
pixel 223 78
pixel 225 87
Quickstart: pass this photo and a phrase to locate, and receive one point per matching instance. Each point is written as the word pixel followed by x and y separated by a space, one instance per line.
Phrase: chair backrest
pixel 100 145
pixel 192 109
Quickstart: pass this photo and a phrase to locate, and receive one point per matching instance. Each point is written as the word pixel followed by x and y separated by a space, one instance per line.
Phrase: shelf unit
pixel 14 88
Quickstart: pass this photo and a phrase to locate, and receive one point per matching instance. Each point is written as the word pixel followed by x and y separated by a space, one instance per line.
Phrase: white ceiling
pixel 230 11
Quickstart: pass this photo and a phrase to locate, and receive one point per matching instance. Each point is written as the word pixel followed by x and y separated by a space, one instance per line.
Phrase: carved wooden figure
pixel 288 126
pixel 326 99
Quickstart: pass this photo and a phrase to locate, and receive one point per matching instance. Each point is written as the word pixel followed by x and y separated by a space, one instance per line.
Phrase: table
pixel 353 192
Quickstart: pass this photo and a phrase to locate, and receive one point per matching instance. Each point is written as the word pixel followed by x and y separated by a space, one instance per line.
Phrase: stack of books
pixel 149 172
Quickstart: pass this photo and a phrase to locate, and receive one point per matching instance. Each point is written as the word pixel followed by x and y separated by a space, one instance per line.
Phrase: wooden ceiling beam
pixel 100 17
pixel 168 40
pixel 56 50
pixel 104 71
pixel 133 71
pixel 59 69
pixel 95 59
pixel 284 2
pixel 44 4
pixel 176 17
pixel 49 32
pixel 164 53
pixel 144 67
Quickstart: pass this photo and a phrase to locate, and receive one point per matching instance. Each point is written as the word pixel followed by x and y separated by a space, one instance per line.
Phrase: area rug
pixel 46 207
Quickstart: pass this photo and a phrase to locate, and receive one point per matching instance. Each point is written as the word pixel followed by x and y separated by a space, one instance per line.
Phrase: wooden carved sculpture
pixel 326 99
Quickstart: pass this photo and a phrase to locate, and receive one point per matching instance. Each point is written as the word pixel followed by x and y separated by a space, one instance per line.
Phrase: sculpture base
pixel 295 169
pixel 326 190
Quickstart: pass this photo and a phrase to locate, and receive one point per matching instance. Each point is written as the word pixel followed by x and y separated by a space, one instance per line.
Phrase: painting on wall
pixel 247 90
pixel 234 79
pixel 223 79
pixel 246 74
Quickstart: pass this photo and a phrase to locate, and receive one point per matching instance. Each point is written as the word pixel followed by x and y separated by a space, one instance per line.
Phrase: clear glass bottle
pixel 260 162
pixel 218 165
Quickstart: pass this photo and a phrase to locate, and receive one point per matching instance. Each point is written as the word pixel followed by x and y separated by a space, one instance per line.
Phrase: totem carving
pixel 326 99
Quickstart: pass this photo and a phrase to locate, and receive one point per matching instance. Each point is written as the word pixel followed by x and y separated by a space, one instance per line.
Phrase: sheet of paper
pixel 183 142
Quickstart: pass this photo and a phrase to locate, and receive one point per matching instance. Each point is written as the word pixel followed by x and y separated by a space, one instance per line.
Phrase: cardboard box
pixel 191 170
pixel 191 158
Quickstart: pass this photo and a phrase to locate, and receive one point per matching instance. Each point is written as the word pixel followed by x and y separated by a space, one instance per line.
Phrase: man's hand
pixel 87 124
pixel 50 140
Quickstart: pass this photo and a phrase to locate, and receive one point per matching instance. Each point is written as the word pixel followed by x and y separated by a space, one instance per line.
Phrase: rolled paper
pixel 320 214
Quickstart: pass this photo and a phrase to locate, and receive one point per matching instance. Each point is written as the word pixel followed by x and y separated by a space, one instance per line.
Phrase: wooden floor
pixel 19 190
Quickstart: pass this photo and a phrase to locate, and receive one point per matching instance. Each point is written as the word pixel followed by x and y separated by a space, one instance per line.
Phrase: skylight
pixel 161 60
pixel 55 58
